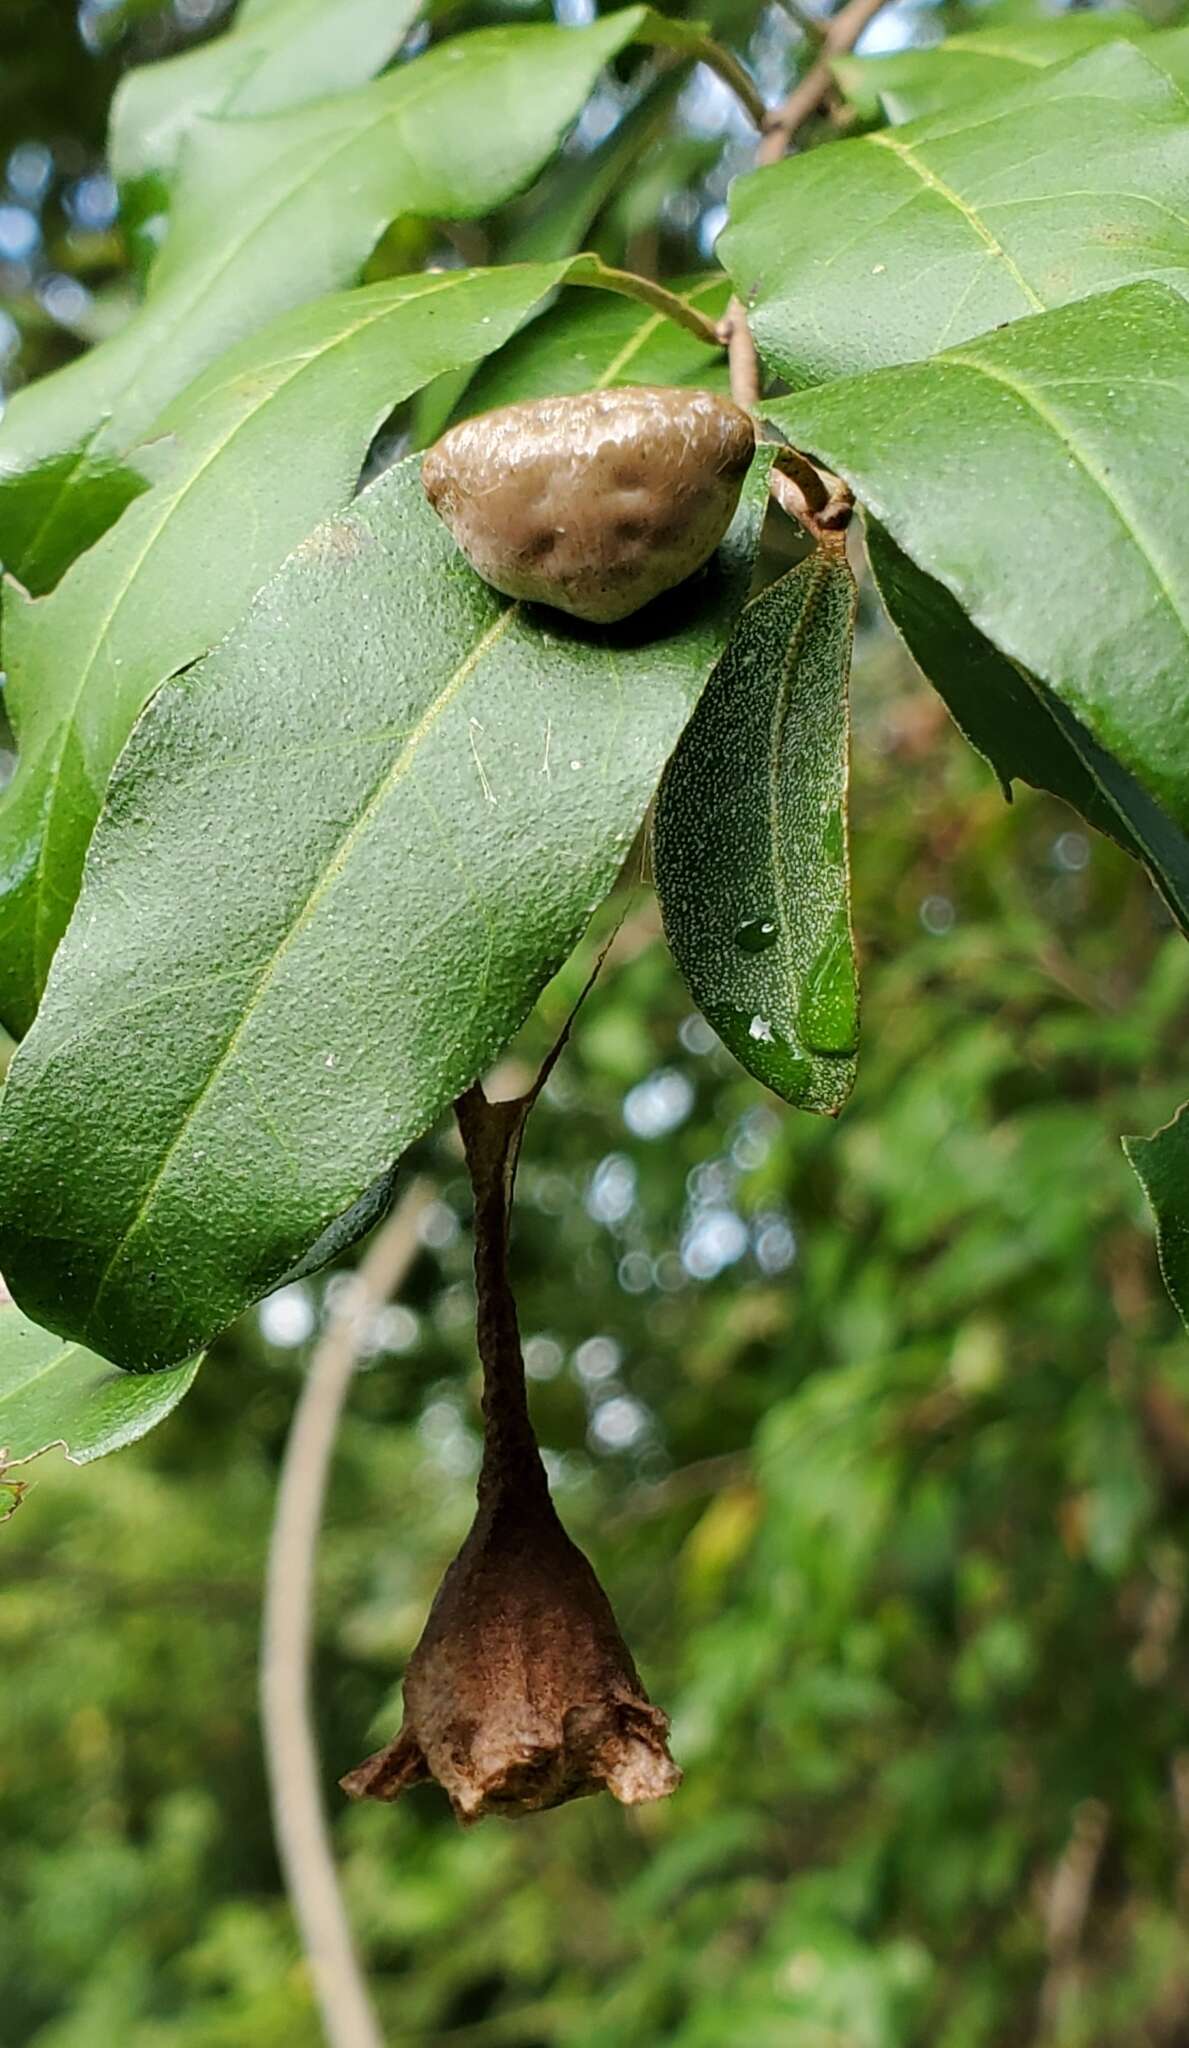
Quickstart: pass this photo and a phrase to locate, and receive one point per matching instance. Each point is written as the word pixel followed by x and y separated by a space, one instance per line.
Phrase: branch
pixel 829 511
pixel 290 1748
pixel 842 32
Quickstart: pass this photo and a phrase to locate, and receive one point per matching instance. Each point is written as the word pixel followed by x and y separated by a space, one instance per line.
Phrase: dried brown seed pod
pixel 521 1692
pixel 594 503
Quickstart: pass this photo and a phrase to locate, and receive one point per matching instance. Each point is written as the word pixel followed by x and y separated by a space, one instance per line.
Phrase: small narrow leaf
pixel 339 860
pixel 894 245
pixel 1162 1165
pixel 750 841
pixel 58 1395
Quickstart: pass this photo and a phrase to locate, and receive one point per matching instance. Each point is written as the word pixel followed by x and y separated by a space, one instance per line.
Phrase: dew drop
pixel 756 934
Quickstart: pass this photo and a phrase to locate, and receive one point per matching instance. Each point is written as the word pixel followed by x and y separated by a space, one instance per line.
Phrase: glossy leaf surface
pixel 339 859
pixel 750 841
pixel 54 1394
pixel 1162 1164
pixel 52 514
pixel 898 244
pixel 276 57
pixel 909 83
pixel 273 212
pixel 301 400
pixel 1032 474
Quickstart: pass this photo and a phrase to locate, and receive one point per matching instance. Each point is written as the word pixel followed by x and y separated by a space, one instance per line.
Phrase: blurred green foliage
pixel 897 1528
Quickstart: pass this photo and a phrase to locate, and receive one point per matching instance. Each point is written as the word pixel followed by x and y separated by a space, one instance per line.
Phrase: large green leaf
pixel 897 244
pixel 1038 474
pixel 1018 725
pixel 55 1394
pixel 272 212
pixel 338 861
pixel 750 841
pixel 577 346
pixel 1162 1164
pixel 909 83
pixel 300 401
pixel 277 56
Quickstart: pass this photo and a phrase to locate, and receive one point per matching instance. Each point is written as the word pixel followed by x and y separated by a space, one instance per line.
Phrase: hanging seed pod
pixel 521 1693
pixel 593 503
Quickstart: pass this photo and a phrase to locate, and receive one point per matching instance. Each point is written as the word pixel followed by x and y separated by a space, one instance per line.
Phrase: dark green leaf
pixel 339 859
pixel 55 1394
pixel 909 83
pixel 1020 727
pixel 272 212
pixel 898 244
pixel 52 514
pixel 301 400
pixel 750 841
pixel 279 56
pixel 1038 475
pixel 1162 1164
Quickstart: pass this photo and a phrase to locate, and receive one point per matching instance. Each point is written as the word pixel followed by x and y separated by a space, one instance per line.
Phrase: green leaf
pixel 1038 475
pixel 1162 1164
pixel 339 860
pixel 301 400
pixel 909 83
pixel 566 202
pixel 580 346
pixel 750 841
pixel 58 1395
pixel 1169 48
pixel 271 213
pixel 1020 727
pixel 280 56
pixel 895 245
pixel 52 514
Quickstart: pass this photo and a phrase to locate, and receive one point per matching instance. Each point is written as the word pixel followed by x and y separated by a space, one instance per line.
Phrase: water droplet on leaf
pixel 756 934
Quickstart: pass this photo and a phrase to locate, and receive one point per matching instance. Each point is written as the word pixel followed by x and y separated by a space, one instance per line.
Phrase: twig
pixel 842 32
pixel 828 510
pixel 299 1818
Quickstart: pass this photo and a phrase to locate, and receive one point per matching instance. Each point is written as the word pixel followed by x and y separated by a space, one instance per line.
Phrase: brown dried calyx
pixel 593 503
pixel 521 1693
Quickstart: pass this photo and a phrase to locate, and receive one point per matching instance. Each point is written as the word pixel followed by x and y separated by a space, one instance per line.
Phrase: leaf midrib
pixel 1063 433
pixel 781 710
pixel 323 881
pixel 126 587
pixel 905 154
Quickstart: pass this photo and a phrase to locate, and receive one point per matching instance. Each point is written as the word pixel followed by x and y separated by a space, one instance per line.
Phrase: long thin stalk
pixel 290 1748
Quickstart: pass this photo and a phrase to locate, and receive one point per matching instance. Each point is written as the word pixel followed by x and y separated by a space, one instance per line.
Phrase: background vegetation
pixel 878 1434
